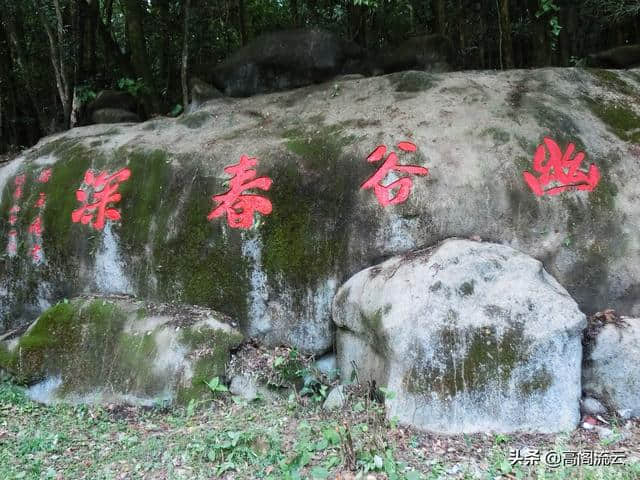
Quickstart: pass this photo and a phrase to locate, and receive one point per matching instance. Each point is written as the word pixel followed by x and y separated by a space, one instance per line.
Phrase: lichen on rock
pixel 116 348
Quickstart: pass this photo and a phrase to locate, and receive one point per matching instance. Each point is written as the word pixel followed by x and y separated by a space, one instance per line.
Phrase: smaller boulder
pixel 283 60
pixel 611 369
pixel 114 99
pixel 244 386
pixel 201 92
pixel 627 56
pixel 114 115
pixel 469 336
pixel 116 349
pixel 335 399
pixel 591 406
pixel 431 53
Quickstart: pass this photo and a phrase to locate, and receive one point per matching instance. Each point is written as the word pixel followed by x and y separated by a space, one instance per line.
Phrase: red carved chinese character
pixel 13 214
pixel 18 182
pixel 560 168
pixel 36 227
pixel 41 200
pixel 240 208
pixel 12 246
pixel 44 176
pixel 403 185
pixel 36 253
pixel 104 193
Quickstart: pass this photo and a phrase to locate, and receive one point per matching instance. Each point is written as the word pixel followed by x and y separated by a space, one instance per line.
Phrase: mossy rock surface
pixel 470 336
pixel 475 132
pixel 117 349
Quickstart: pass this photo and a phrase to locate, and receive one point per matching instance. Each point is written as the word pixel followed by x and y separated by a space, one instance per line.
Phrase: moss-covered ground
pixel 294 439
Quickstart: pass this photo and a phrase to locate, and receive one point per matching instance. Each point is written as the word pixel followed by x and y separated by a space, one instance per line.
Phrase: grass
pixel 228 439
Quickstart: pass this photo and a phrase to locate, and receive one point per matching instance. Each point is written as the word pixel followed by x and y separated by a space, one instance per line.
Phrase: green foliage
pixel 135 87
pixel 550 9
pixel 85 93
pixel 216 386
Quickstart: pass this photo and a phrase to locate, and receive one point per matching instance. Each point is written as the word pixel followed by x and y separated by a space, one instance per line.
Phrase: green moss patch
pixel 211 349
pixel 558 125
pixel 305 237
pixel 412 81
pixel 499 135
pixel 85 343
pixel 620 119
pixel 488 361
pixel 611 81
pixel 195 120
pixel 200 262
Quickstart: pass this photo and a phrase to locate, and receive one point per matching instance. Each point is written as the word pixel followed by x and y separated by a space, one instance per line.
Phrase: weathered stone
pixel 201 92
pixel 328 365
pixel 469 336
pixel 114 115
pixel 120 350
pixel 278 279
pixel 282 60
pixel 428 53
pixel 591 406
pixel 627 56
pixel 114 99
pixel 611 369
pixel 335 399
pixel 244 386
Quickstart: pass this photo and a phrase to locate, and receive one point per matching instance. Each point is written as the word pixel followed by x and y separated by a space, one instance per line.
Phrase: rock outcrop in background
pixel 475 132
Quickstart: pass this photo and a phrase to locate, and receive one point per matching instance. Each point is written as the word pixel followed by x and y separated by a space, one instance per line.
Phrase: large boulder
pixel 283 60
pixel 627 56
pixel 612 366
pixel 114 99
pixel 432 53
pixel 117 349
pixel 476 132
pixel 201 92
pixel 112 106
pixel 469 336
pixel 114 115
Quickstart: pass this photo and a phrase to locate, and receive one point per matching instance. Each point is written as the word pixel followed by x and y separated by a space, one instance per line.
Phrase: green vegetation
pixel 195 120
pixel 273 441
pixel 412 81
pixel 620 119
pixel 488 362
pixel 613 82
pixel 305 237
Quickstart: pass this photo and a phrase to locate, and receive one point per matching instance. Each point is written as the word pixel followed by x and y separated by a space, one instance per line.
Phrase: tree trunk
pixel 295 15
pixel 93 13
pixel 56 48
pixel 440 17
pixel 540 46
pixel 9 22
pixel 163 14
pixel 134 20
pixel 506 59
pixel 185 55
pixel 243 22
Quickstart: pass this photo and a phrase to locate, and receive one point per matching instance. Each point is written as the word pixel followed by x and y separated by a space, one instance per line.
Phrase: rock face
pixel 114 115
pixel 470 336
pixel 116 349
pixel 111 106
pixel 476 132
pixel 612 367
pixel 282 60
pixel 201 92
pixel 432 53
pixel 627 56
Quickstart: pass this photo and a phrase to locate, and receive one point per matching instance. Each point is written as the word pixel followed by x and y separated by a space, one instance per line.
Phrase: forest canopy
pixel 56 55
